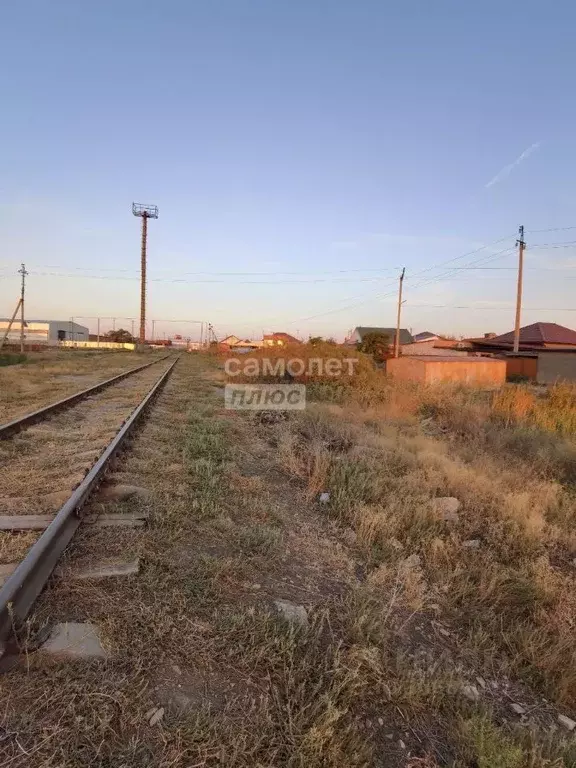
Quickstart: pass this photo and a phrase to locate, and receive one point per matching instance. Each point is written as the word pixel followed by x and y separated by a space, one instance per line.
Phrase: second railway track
pixel 48 472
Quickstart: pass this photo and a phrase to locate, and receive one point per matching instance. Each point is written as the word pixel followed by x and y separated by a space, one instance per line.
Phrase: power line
pixel 551 229
pixel 491 309
pixel 221 282
pixel 255 274
pixel 274 282
pixel 383 296
pixel 569 244
pixel 479 262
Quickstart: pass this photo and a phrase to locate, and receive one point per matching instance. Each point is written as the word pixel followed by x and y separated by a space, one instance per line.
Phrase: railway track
pixel 55 460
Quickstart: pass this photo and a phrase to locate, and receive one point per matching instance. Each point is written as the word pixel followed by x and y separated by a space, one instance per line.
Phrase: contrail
pixel 502 174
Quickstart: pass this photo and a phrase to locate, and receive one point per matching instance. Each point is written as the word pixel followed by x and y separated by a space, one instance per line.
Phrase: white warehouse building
pixel 48 332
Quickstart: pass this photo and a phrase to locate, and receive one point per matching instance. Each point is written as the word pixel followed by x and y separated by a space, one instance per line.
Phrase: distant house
pixel 361 331
pixel 230 341
pixel 547 352
pixel 279 339
pixel 238 345
pixel 426 336
pixel 532 337
pixel 245 346
pixel 436 347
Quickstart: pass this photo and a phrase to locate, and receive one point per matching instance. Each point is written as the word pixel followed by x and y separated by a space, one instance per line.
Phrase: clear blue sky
pixel 306 137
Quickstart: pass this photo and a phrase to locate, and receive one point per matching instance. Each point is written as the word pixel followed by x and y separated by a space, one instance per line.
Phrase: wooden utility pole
pixel 521 245
pixel 9 326
pixel 397 339
pixel 23 272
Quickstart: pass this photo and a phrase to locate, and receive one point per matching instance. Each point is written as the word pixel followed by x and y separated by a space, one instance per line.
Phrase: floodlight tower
pixel 145 212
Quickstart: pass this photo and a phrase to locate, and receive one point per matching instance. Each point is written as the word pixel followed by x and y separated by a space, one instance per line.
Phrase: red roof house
pixel 535 336
pixel 278 340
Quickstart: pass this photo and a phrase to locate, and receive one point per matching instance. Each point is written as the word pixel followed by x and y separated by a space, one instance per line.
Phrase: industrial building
pixel 46 332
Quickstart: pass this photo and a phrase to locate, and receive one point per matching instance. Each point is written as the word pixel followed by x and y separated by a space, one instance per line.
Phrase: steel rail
pixel 11 427
pixel 29 578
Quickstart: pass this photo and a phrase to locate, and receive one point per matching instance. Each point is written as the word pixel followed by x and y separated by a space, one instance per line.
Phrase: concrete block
pixel 119 519
pixel 25 522
pixel 107 570
pixel 123 492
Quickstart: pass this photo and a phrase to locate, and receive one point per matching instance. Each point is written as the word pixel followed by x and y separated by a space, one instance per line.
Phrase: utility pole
pixel 23 272
pixel 521 245
pixel 211 336
pixel 9 326
pixel 145 212
pixel 397 339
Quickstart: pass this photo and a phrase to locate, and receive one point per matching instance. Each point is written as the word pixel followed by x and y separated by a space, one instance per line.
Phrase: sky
pixel 300 155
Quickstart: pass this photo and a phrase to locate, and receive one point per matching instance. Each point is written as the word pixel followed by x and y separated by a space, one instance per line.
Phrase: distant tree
pixel 121 335
pixel 332 341
pixel 376 344
pixel 315 340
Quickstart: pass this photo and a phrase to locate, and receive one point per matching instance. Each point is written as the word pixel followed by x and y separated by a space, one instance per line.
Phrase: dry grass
pixel 48 376
pixel 234 526
pixel 510 600
pixel 61 449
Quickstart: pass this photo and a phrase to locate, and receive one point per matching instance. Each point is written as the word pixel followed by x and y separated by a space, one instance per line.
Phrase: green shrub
pixel 11 358
pixel 491 748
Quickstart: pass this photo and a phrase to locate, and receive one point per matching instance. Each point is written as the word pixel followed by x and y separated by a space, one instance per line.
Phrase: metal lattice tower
pixel 145 212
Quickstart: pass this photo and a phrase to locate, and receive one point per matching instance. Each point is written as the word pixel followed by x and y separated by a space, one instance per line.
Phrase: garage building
pixel 474 371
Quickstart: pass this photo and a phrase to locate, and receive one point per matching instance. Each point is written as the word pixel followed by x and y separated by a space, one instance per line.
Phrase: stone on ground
pixel 349 537
pixel 567 722
pixel 157 716
pixel 74 639
pixel 295 614
pixel 446 507
pixel 471 692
